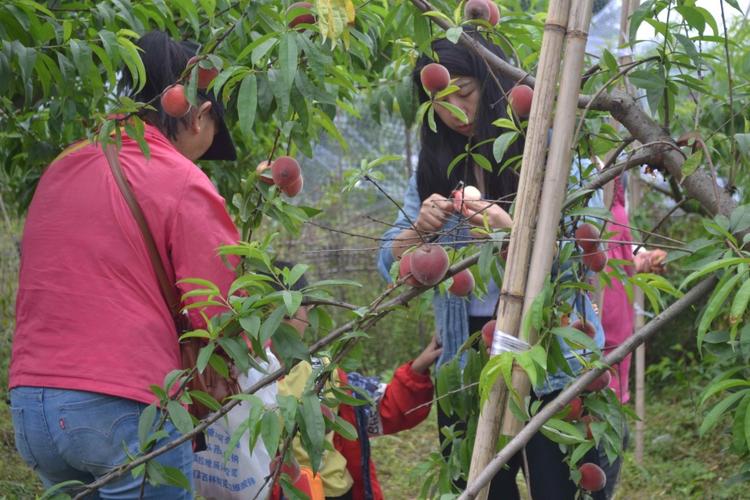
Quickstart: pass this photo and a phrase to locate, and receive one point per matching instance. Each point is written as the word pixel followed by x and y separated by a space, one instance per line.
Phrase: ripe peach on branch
pixel 285 170
pixel 435 77
pixel 593 478
pixel 520 98
pixel 173 101
pixel 463 283
pixel 404 270
pixel 429 264
pixel 205 74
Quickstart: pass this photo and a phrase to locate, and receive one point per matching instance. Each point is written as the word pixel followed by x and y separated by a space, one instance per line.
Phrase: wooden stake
pixel 555 181
pixel 532 173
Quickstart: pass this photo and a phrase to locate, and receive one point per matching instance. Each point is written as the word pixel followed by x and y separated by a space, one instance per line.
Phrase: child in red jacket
pixel 348 472
pixel 400 405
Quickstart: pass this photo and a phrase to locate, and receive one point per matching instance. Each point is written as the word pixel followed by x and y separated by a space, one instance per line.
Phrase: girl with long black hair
pixel 429 212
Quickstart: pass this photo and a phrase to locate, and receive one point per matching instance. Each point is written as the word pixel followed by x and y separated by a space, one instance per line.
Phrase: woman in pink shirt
pixel 93 331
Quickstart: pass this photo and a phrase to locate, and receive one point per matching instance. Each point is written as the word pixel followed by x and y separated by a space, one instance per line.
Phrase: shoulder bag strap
pixel 167 289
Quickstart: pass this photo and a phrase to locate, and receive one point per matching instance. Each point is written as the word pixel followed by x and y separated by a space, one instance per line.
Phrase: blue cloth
pixel 451 312
pixel 74 435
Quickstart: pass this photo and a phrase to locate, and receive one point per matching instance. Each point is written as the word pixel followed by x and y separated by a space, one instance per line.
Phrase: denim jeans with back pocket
pixel 74 435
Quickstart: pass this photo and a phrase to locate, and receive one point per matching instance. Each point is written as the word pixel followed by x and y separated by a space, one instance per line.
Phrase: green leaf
pixel 288 344
pixel 692 163
pixel 179 417
pixel 314 431
pixel 575 338
pixel 455 162
pixel 712 267
pixel 271 324
pixel 55 492
pixel 210 286
pixel 431 119
pixel 580 451
pixel 344 429
pixel 502 143
pixel 203 356
pixel 292 301
pixel 482 161
pixel 288 55
pixel 145 424
pixel 247 103
pixel 270 431
pixel 505 123
pixel 251 324
pixel 717 411
pixel 739 304
pixel 454 110
pixel 715 304
pixel 722 385
pixel 205 399
pixel 562 432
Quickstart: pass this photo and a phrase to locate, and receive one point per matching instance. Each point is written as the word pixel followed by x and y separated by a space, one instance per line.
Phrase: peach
pixel 463 283
pixel 263 172
pixel 404 269
pixel 205 75
pixel 585 326
pixel 305 18
pixel 173 101
pixel 601 382
pixel 477 9
pixel 435 77
pixel 429 264
pixel 596 261
pixel 494 12
pixel 488 332
pixel 294 188
pixel 467 193
pixel 575 410
pixel 587 237
pixel 285 170
pixel 520 98
pixel 592 477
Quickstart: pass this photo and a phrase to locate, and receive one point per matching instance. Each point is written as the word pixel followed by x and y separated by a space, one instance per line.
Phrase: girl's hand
pixel 434 212
pixel 423 362
pixel 476 211
pixel 651 261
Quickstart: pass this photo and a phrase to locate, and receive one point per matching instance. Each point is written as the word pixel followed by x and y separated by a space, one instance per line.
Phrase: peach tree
pixel 287 75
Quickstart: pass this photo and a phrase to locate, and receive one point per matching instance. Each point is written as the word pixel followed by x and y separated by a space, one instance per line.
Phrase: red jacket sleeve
pixel 407 391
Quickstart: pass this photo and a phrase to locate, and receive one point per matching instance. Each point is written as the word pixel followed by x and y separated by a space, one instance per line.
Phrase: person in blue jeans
pixel 429 212
pixel 69 435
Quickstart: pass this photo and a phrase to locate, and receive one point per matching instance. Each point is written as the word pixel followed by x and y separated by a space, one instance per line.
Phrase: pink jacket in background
pixel 617 311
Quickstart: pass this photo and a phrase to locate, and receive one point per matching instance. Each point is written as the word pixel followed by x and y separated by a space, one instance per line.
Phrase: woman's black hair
pixel 164 60
pixel 439 149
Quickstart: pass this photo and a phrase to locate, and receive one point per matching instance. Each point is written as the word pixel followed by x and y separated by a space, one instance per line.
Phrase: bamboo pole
pixel 700 291
pixel 555 181
pixel 532 173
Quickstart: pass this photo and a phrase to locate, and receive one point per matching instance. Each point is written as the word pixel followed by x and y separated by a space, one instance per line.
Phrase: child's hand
pixel 423 362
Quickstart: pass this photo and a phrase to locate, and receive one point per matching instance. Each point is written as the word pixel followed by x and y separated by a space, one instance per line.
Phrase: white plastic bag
pixel 243 475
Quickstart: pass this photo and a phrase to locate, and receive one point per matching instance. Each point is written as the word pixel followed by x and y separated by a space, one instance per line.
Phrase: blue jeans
pixel 74 435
